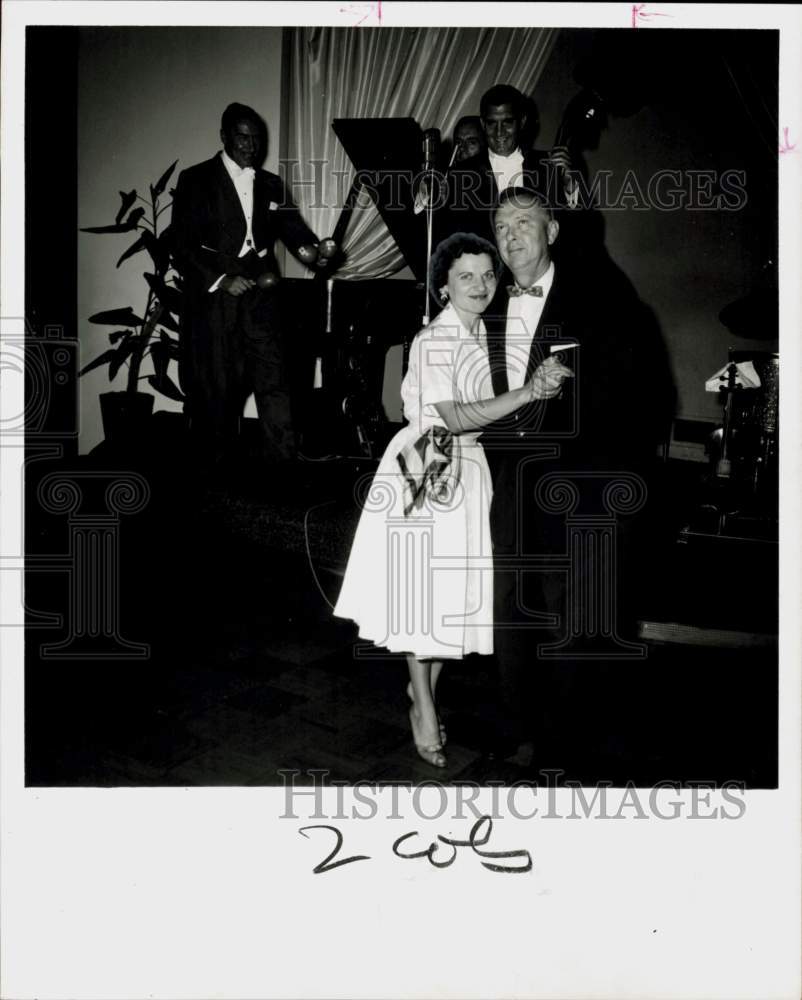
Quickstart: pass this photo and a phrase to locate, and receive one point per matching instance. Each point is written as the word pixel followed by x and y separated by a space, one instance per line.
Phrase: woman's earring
pixel 443 296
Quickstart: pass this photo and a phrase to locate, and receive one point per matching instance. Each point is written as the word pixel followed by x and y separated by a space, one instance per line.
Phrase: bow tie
pixel 516 290
pixel 244 172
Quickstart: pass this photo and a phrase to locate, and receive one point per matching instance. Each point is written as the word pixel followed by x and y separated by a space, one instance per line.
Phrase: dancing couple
pixel 419 578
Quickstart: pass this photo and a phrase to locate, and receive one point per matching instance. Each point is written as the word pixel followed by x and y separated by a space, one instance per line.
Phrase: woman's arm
pixel 546 383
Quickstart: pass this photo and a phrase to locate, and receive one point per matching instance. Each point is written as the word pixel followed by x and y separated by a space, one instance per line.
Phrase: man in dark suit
pixel 474 183
pixel 227 214
pixel 585 456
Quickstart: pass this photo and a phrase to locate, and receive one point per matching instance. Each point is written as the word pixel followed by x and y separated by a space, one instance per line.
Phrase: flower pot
pixel 126 415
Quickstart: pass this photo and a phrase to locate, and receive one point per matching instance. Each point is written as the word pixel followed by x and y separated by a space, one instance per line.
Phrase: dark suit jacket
pixel 606 419
pixel 208 225
pixel 472 193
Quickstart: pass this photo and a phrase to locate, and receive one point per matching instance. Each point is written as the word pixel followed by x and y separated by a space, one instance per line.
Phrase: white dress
pixel 422 583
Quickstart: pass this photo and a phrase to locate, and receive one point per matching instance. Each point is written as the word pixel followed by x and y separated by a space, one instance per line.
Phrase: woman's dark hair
pixel 451 249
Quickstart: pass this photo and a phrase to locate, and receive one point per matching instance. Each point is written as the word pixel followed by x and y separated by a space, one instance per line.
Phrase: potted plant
pixel 125 414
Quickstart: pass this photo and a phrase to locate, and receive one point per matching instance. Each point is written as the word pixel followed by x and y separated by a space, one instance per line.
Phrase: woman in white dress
pixel 419 578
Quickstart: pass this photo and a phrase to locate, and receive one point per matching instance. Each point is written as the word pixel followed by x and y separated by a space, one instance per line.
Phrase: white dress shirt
pixel 242 178
pixel 243 182
pixel 523 316
pixel 507 169
pixel 509 173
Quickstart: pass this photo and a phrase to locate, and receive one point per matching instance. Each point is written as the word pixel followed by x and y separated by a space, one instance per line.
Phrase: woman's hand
pixel 547 381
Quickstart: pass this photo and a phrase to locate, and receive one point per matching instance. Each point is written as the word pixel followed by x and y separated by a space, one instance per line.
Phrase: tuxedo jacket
pixel 605 419
pixel 472 192
pixel 208 225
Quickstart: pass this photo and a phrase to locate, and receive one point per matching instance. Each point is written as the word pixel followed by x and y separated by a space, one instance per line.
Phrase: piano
pixel 350 336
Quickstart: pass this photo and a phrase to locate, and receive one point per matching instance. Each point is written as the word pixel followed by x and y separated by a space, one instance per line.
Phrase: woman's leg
pixel 437 666
pixel 434 674
pixel 422 714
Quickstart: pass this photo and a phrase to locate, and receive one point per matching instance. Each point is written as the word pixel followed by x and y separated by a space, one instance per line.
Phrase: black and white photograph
pixel 400 449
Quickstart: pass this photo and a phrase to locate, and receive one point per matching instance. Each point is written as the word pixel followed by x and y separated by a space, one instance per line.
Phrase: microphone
pixel 431 143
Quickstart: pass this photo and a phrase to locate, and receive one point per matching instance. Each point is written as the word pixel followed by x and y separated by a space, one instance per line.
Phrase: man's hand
pixel 560 156
pixel 547 381
pixel 236 285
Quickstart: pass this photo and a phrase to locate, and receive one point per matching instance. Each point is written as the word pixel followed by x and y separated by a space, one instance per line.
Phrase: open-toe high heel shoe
pixel 430 750
pixel 441 727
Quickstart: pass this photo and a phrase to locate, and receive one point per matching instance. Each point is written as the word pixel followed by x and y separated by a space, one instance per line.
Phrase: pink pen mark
pixel 639 12
pixel 363 11
pixel 787 146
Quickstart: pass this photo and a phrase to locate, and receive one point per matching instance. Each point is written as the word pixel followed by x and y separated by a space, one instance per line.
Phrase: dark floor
pixel 249 674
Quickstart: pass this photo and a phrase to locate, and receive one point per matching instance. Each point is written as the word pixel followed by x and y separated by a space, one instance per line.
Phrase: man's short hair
pixel 503 93
pixel 236 113
pixel 451 249
pixel 474 120
pixel 524 198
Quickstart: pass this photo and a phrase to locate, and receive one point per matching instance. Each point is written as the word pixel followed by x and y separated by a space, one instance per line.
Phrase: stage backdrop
pixel 148 96
pixel 434 75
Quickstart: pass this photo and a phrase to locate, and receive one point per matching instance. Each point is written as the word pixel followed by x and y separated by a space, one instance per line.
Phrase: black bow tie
pixel 516 290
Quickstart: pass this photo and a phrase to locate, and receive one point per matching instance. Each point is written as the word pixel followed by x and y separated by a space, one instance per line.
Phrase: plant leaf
pixel 157 254
pixel 169 297
pixel 114 337
pixel 158 355
pixel 117 317
pixel 171 345
pixel 135 247
pixel 125 350
pixel 127 201
pixel 166 387
pixel 167 320
pixel 121 228
pixel 102 359
pixel 133 219
pixel 166 247
pixel 161 183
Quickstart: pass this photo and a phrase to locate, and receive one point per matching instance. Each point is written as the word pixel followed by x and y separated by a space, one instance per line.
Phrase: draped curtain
pixel 434 75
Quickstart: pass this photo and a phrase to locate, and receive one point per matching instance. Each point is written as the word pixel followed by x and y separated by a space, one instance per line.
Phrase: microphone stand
pixel 429 210
pixel 428 187
pixel 429 229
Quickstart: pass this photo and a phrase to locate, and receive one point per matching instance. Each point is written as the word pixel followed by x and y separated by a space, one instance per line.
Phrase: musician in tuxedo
pixel 227 214
pixel 469 138
pixel 474 183
pixel 605 425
